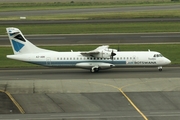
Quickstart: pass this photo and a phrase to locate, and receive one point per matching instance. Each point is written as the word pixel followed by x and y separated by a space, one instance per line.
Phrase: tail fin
pixel 20 44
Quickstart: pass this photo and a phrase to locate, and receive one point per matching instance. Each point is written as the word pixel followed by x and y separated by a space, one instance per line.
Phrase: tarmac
pixel 115 98
pixel 6 105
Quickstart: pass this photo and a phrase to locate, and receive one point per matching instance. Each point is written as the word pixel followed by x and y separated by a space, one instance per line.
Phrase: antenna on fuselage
pixel 118 49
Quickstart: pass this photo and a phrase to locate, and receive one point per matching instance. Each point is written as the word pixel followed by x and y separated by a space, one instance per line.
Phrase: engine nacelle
pixel 97 65
pixel 106 53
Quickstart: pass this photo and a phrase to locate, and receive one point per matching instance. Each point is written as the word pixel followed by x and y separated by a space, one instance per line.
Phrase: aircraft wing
pixel 90 53
pixel 95 52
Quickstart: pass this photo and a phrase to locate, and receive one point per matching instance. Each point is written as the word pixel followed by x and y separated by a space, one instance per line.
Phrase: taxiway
pixel 78 94
pixel 119 38
pixel 77 73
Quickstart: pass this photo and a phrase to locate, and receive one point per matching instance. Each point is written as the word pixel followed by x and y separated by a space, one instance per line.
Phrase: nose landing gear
pixel 160 68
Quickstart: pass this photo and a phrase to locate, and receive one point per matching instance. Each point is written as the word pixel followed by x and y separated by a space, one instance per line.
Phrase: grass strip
pixel 102 15
pixel 170 51
pixel 6 6
pixel 88 5
pixel 133 27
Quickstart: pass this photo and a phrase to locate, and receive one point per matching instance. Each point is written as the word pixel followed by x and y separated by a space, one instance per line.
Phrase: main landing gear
pixel 94 69
pixel 160 68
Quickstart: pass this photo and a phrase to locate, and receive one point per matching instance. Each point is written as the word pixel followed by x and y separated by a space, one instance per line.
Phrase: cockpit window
pixel 158 55
pixel 20 37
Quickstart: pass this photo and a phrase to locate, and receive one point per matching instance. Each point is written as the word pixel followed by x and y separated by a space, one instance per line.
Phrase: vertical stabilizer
pixel 20 44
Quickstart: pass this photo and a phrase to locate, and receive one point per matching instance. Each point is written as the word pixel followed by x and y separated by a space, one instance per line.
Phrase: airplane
pixel 100 58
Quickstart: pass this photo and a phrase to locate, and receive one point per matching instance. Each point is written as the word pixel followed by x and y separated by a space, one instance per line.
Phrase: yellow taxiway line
pixel 137 109
pixel 14 101
pixel 145 118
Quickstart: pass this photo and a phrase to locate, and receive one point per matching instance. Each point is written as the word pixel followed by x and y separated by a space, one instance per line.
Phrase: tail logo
pixel 17 45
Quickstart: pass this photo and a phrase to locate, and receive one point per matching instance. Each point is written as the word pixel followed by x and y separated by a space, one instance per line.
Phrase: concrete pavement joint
pixel 137 83
pixel 137 109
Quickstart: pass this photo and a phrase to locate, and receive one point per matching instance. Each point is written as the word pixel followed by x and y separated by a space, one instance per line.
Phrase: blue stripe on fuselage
pixel 73 63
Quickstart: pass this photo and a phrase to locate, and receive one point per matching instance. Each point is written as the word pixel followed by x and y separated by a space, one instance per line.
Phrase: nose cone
pixel 167 61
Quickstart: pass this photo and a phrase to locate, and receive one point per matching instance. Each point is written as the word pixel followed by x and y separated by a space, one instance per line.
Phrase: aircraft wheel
pixel 96 69
pixel 160 68
pixel 93 70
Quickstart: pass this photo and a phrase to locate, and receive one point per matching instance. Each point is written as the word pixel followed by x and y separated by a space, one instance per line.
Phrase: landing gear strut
pixel 160 68
pixel 94 69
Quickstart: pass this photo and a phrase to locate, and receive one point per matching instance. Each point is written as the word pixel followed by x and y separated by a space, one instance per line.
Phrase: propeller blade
pixel 112 54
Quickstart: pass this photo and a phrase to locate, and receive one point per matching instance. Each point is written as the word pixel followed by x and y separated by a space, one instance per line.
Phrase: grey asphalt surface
pixel 20 22
pixel 76 73
pixel 77 94
pixel 99 38
pixel 87 11
pixel 6 105
pixel 102 106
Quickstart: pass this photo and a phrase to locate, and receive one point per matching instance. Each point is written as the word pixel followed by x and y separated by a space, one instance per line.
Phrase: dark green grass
pixel 171 51
pixel 90 5
pixel 69 5
pixel 134 27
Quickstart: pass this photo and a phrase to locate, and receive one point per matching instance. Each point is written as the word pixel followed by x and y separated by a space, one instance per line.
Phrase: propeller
pixel 112 54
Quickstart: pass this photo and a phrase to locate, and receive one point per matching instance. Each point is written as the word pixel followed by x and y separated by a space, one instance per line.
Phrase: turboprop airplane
pixel 101 58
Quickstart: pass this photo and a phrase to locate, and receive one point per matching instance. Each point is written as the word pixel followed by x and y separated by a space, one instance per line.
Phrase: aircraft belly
pixel 88 65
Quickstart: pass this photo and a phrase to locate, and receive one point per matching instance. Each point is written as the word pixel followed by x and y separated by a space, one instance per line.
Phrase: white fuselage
pixel 75 59
pixel 100 58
